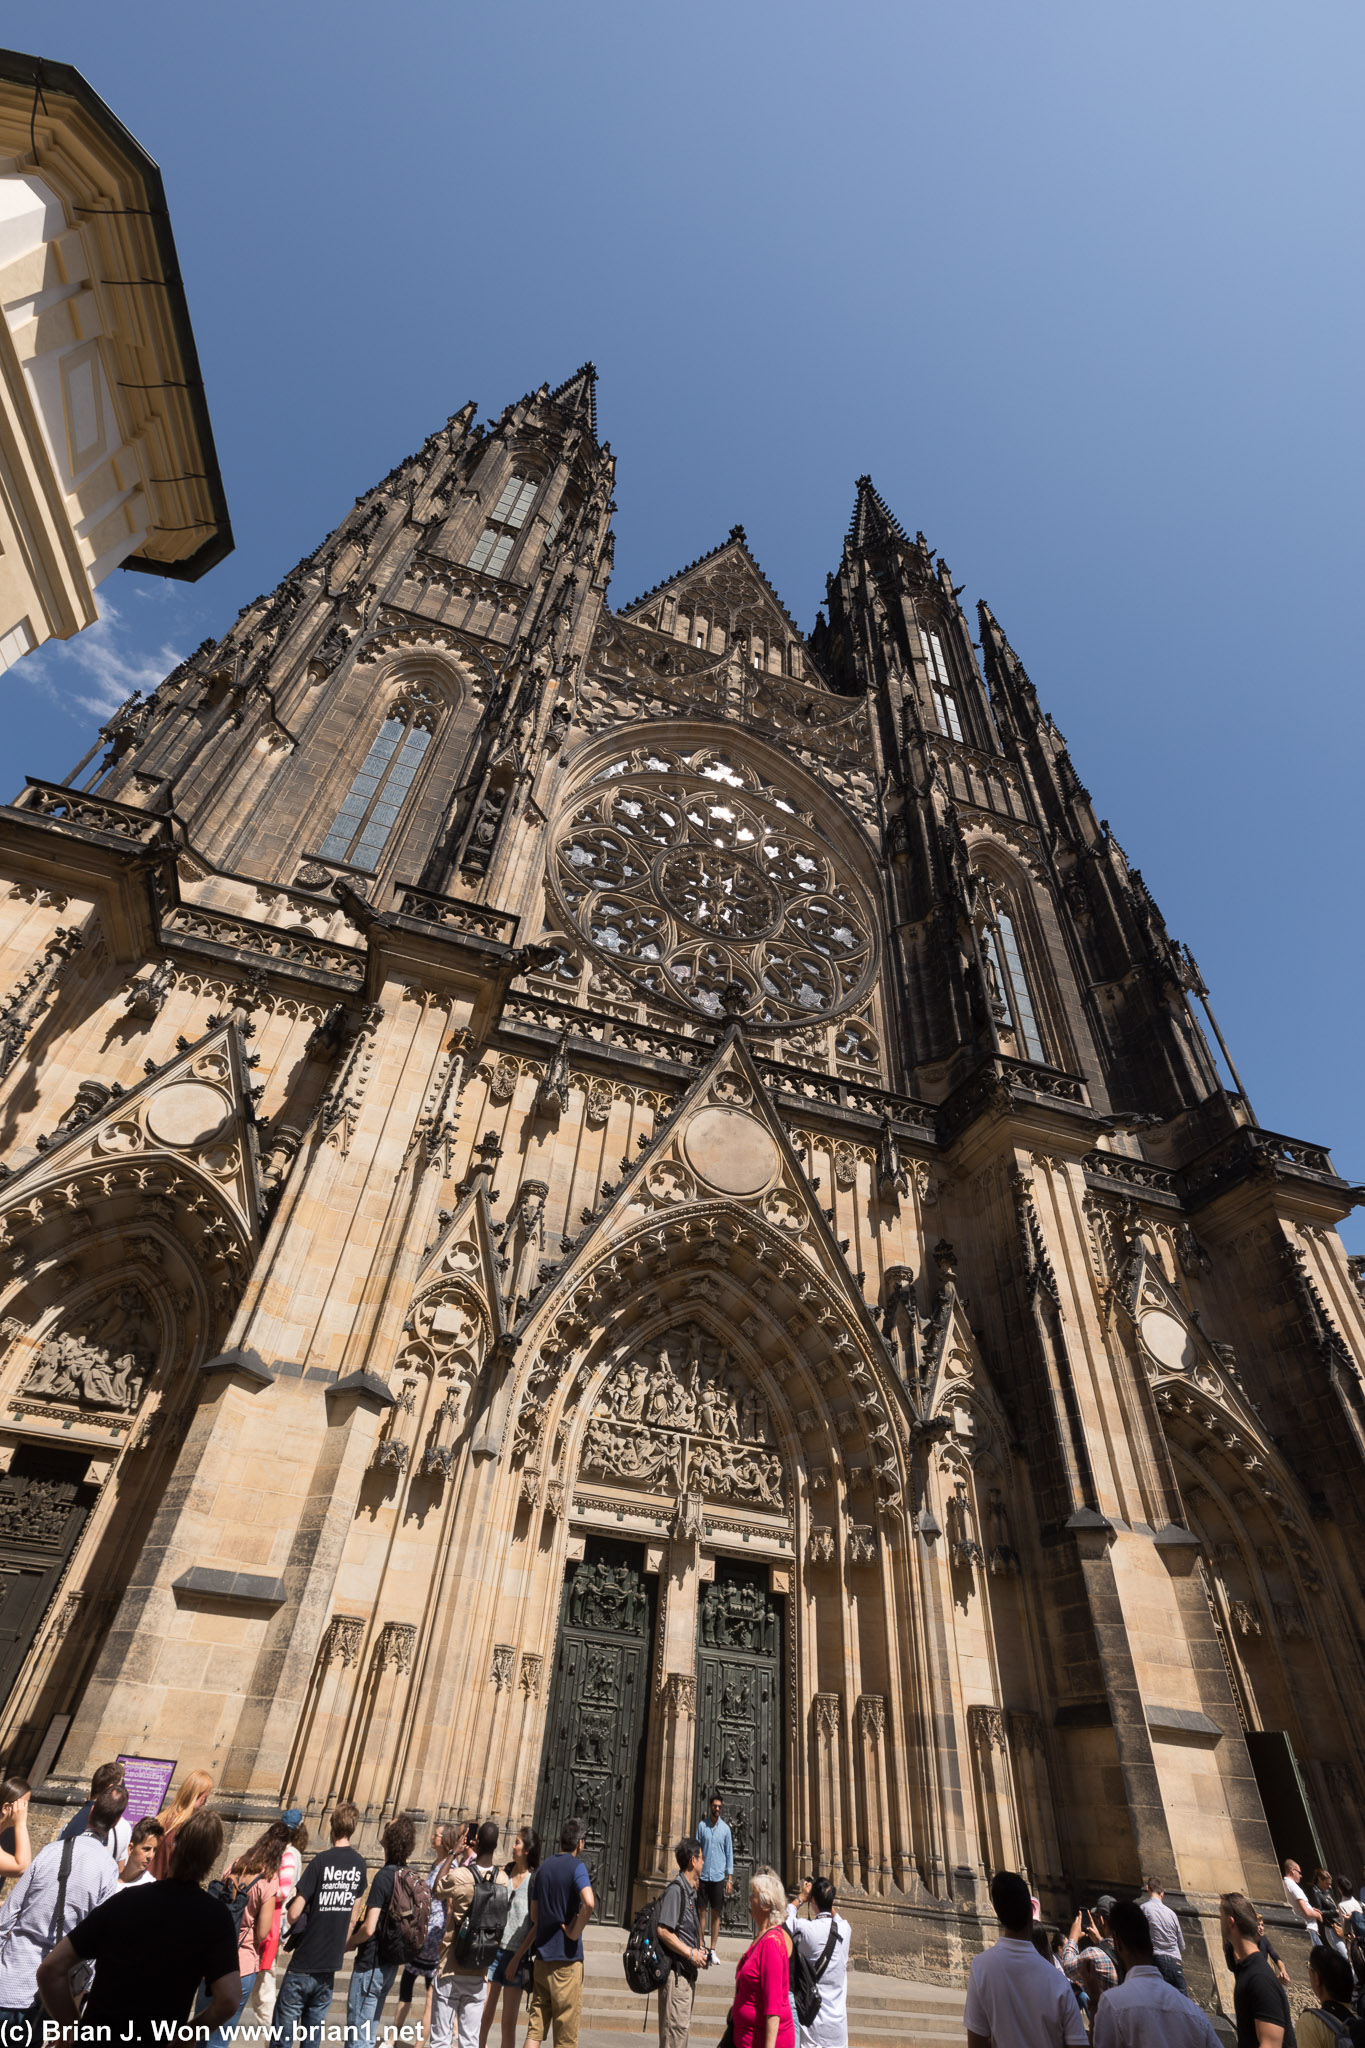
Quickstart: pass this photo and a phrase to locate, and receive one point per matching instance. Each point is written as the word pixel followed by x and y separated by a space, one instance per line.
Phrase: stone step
pixel 912 2032
pixel 902 1997
pixel 882 2011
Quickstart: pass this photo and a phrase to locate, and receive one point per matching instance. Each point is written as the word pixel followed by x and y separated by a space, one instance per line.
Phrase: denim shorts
pixel 497 1971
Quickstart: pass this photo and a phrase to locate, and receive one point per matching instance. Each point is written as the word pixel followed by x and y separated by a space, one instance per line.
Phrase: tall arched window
pixel 362 826
pixel 495 543
pixel 1011 995
pixel 940 682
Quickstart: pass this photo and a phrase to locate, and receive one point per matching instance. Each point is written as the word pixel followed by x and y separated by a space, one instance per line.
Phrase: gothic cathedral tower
pixel 606 1203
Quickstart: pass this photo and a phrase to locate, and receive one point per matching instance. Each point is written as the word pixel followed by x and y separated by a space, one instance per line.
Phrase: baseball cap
pixel 1105 1903
pixel 294 1816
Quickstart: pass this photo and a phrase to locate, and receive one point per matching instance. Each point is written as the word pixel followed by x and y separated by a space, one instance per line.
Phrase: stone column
pixel 671 1750
pixel 1094 1537
pixel 1180 1552
pixel 826 1728
pixel 870 1716
pixel 1002 1849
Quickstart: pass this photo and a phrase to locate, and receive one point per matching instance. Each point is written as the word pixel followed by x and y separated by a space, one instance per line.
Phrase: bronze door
pixel 43 1505
pixel 593 1761
pixel 739 1721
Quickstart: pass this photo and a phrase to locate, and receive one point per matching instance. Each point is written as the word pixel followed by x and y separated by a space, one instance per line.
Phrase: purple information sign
pixel 148 1779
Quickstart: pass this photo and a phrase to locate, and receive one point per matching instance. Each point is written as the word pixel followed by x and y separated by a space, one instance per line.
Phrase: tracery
pixel 707 887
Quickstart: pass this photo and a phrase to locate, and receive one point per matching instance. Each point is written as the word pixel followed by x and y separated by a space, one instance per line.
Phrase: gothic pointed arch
pixel 128 1237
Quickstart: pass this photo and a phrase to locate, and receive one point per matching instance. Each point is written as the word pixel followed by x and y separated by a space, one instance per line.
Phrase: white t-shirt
pixel 1298 1898
pixel 1020 2001
pixel 829 2028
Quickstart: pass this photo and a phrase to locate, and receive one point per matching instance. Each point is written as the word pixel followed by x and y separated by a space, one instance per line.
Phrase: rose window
pixel 706 886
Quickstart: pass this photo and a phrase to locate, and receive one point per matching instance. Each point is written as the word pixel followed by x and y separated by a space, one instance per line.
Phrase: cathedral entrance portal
pixel 44 1501
pixel 739 1720
pixel 593 1760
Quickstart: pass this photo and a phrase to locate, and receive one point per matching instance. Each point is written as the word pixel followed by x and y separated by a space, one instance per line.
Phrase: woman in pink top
pixel 262 1999
pixel 761 2015
pixel 257 1875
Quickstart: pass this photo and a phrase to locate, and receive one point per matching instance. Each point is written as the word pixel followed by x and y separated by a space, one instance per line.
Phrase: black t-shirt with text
pixel 381 1892
pixel 153 1944
pixel 329 1888
pixel 1258 1994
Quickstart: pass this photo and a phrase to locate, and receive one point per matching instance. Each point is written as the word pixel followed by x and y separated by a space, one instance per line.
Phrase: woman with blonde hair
pixel 761 2016
pixel 195 1788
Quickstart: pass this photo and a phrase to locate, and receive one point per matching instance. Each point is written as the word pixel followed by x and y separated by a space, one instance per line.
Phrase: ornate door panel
pixel 593 1760
pixel 43 1505
pixel 739 1721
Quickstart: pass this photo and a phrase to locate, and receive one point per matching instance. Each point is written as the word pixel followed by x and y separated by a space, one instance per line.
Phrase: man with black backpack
pixel 679 1935
pixel 825 1941
pixel 382 1940
pixel 477 1902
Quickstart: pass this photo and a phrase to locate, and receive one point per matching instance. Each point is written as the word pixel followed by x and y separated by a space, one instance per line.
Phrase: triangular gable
pixel 724 1143
pixel 196 1109
pixel 466 1254
pixel 729 586
pixel 1173 1347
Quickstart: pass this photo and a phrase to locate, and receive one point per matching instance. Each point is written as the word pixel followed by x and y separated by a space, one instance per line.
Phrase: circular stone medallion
pixel 1167 1339
pixel 730 1151
pixel 187 1113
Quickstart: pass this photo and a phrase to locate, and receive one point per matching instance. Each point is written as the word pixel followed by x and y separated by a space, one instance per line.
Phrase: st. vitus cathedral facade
pixel 601 1204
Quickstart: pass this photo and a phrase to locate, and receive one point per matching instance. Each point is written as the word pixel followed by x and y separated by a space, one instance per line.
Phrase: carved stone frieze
pixel 397 1640
pixel 871 1716
pixel 986 1726
pixel 104 1362
pixel 683 1419
pixel 826 1712
pixel 341 1643
pixel 680 1694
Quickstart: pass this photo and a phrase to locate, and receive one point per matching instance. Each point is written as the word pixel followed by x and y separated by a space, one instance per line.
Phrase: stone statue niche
pixel 681 1418
pixel 103 1361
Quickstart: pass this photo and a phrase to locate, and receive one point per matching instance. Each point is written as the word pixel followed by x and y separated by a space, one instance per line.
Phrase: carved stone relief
pixel 682 1420
pixel 104 1362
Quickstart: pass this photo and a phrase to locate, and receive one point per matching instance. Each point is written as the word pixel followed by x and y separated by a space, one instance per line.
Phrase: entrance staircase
pixel 883 2012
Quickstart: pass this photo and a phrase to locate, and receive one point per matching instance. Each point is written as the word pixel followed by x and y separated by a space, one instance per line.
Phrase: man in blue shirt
pixel 561 1904
pixel 717 1866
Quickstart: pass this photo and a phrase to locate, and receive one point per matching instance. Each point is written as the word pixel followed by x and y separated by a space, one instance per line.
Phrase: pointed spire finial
pixel 579 394
pixel 873 522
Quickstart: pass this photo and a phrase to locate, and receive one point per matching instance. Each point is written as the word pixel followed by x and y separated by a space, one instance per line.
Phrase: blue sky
pixel 1079 285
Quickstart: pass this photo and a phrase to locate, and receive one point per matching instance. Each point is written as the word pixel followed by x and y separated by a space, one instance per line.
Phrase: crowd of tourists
pixel 142 1933
pixel 1117 1978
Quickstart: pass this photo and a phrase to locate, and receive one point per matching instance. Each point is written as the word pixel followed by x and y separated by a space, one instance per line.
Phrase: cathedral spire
pixel 579 394
pixel 873 523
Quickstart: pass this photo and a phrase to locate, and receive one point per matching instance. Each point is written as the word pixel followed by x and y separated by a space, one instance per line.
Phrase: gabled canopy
pixel 729 588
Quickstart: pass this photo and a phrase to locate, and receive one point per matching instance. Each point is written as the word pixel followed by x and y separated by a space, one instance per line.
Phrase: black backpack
pixel 232 1895
pixel 647 1962
pixel 480 1932
pixel 407 1918
pixel 805 1975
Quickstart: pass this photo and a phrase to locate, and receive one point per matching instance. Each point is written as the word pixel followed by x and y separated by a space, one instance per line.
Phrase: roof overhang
pixel 55 126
